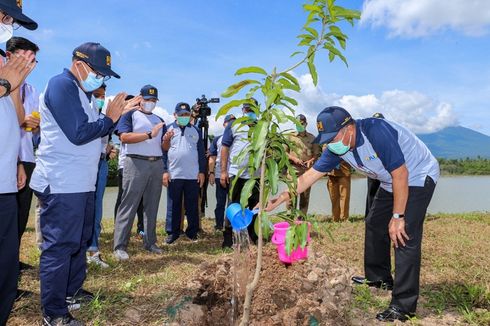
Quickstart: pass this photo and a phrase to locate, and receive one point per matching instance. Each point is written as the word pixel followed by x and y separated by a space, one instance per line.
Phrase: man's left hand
pixel 200 179
pixel 397 232
pixel 21 177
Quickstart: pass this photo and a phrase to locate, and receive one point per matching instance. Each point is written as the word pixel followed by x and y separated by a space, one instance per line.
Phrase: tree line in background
pixel 466 166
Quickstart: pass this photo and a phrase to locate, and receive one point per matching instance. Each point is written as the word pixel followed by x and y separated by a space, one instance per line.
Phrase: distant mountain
pixel 457 142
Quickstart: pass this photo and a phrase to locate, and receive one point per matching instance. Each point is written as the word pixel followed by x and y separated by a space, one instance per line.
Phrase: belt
pixel 146 158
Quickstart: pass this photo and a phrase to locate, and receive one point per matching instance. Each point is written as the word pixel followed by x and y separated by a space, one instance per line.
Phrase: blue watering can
pixel 239 218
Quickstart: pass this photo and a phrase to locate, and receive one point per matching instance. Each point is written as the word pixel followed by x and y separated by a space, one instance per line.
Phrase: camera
pixel 201 108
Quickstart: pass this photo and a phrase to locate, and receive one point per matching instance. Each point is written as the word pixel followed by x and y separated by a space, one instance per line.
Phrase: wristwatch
pixel 396 215
pixel 149 135
pixel 5 83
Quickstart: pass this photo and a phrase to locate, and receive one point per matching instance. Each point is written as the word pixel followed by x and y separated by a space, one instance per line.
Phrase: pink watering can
pixel 279 239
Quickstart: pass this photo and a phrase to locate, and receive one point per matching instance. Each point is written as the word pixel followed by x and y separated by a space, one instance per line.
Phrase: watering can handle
pixel 255 211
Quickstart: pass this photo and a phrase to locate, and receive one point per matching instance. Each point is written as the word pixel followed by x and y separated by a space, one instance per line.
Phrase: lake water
pixel 453 195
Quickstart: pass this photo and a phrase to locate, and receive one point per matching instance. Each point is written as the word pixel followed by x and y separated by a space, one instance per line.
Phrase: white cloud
pixel 418 18
pixel 416 111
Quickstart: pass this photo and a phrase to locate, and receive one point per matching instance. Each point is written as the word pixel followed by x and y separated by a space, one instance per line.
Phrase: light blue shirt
pixel 381 147
pixel 9 146
pixel 185 157
pixel 69 152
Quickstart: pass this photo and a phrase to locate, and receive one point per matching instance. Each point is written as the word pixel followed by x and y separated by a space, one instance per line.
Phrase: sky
pixel 423 63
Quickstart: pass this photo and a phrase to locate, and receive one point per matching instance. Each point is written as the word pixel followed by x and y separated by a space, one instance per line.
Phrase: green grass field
pixel 455 279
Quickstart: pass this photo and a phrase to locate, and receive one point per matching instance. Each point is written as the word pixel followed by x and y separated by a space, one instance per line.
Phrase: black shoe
pixel 82 296
pixel 22 294
pixel 171 239
pixel 393 313
pixel 385 285
pixel 227 239
pixel 66 320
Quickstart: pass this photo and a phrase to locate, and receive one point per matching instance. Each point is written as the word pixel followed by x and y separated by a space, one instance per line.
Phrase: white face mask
pixel 6 32
pixel 149 106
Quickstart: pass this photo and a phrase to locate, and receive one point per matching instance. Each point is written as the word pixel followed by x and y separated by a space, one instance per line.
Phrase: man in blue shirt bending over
pixel 65 175
pixel 408 173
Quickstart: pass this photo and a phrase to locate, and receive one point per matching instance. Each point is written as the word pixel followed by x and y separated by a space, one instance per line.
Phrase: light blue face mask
pixel 100 103
pixel 183 121
pixel 300 128
pixel 91 83
pixel 251 116
pixel 338 147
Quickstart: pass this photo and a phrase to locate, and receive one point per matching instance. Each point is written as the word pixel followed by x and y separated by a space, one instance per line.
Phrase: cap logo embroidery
pixel 151 91
pixel 108 60
pixel 319 125
pixel 347 119
pixel 81 55
pixel 19 4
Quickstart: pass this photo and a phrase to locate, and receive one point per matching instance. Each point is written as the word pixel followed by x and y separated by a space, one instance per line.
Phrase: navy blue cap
pixel 301 117
pixel 149 92
pixel 182 107
pixel 329 122
pixel 13 8
pixel 97 56
pixel 229 117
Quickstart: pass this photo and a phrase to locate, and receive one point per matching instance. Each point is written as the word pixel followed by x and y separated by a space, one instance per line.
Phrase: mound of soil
pixel 312 292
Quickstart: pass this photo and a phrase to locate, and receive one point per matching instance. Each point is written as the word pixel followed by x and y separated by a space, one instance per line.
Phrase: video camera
pixel 201 108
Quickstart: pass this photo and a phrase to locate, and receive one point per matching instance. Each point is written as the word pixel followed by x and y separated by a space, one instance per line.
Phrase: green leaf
pixel 312 68
pixel 228 106
pixel 250 70
pixel 280 115
pixel 260 134
pixel 291 100
pixel 312 31
pixel 252 91
pixel 290 77
pixel 313 8
pixel 273 175
pixel 235 88
pixel 296 53
pixel 247 192
pixel 286 84
pixel 290 234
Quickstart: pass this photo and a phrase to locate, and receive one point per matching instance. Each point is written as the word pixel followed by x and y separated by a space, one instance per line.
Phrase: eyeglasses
pixel 98 75
pixel 9 20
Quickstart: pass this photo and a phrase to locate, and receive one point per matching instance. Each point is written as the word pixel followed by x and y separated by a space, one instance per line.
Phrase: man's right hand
pixel 156 129
pixel 31 122
pixel 17 69
pixel 132 104
pixel 115 107
pixel 224 179
pixel 166 179
pixel 168 135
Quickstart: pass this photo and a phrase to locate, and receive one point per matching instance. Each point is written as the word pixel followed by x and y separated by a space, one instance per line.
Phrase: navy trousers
pixel 9 254
pixel 219 211
pixel 178 190
pixel 66 224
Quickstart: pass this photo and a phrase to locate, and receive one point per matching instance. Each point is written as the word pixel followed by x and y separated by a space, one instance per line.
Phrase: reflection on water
pixel 452 195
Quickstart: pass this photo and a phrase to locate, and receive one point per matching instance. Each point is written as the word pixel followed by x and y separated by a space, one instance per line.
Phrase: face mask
pixel 149 106
pixel 6 32
pixel 251 116
pixel 300 128
pixel 183 121
pixel 91 83
pixel 339 148
pixel 100 103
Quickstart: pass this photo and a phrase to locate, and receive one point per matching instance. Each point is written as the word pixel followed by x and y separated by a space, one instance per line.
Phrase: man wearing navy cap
pixel 65 176
pixel 185 164
pixel 408 173
pixel 12 175
pixel 141 133
pixel 215 174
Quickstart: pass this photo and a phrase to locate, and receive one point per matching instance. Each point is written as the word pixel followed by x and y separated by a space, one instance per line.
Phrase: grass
pixel 146 290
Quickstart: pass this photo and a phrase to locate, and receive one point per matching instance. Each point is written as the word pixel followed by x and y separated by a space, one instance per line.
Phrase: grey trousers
pixel 142 180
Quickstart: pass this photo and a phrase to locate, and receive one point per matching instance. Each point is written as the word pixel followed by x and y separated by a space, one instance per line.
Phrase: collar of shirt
pixel 67 73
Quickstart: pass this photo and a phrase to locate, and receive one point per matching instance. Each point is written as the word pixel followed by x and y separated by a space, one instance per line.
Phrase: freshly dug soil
pixel 312 292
